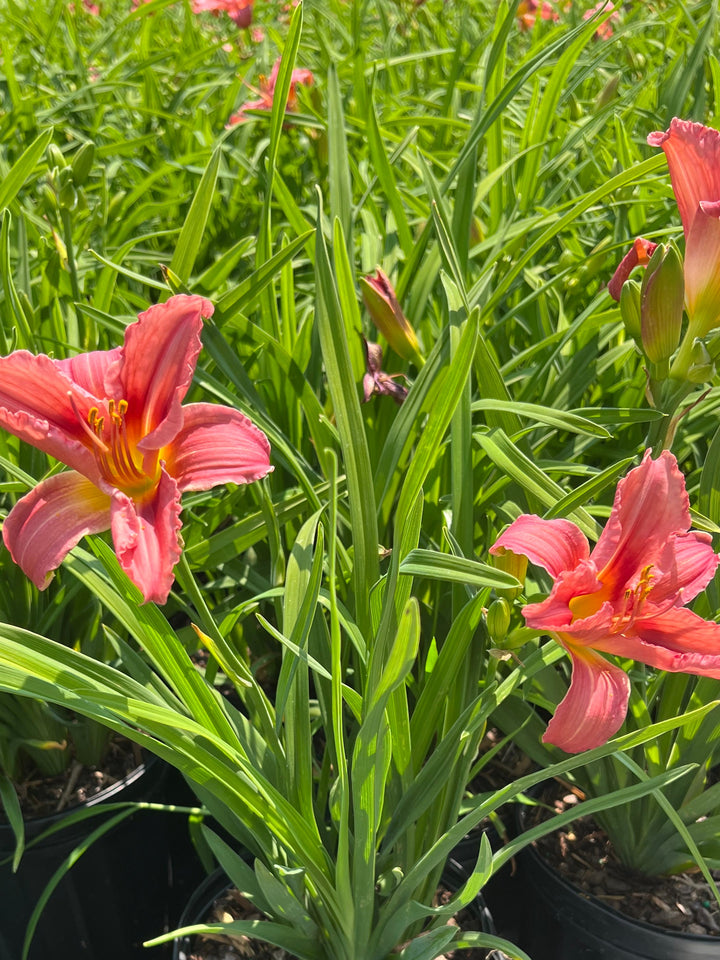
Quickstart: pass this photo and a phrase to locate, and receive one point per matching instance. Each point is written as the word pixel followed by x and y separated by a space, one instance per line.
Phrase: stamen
pixel 89 426
pixel 113 453
pixel 634 600
pixel 123 460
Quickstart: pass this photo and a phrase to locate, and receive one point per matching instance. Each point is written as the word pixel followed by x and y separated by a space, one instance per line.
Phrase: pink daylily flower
pixel 627 597
pixel 240 11
pixel 88 6
pixel 605 30
pixel 116 418
pixel 528 11
pixel 267 93
pixel 693 156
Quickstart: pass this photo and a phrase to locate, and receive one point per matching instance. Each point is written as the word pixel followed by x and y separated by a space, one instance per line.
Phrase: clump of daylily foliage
pixel 355 353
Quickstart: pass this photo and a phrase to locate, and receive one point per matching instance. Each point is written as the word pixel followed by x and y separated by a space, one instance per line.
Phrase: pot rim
pixel 102 796
pixel 585 897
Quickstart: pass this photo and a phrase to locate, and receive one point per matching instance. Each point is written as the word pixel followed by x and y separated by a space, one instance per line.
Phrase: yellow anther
pixel 645 584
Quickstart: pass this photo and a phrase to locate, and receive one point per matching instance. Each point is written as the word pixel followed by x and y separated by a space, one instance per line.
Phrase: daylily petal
pixel 88 370
pixel 651 505
pixel 216 445
pixel 702 278
pixel 595 705
pixel 556 545
pixel 686 565
pixel 155 367
pixel 677 640
pixel 554 614
pixel 35 405
pixel 638 255
pixel 146 538
pixel 693 156
pixel 48 522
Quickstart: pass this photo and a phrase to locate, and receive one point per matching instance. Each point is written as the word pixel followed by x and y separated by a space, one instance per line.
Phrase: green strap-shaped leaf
pixel 513 462
pixel 444 566
pixel 10 804
pixel 21 171
pixel 338 164
pixel 188 243
pixel 351 428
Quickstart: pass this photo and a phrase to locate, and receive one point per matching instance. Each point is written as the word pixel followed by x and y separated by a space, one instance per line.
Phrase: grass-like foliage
pixel 348 600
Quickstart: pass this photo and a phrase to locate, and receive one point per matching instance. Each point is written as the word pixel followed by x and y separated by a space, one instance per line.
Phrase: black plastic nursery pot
pixel 550 918
pixel 121 891
pixel 200 904
pixel 558 921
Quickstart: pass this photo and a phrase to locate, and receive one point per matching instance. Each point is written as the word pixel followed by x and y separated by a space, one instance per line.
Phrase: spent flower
pixel 376 382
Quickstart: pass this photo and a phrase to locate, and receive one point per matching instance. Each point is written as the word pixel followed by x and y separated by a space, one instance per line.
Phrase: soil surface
pixel 233 906
pixel 42 796
pixel 583 854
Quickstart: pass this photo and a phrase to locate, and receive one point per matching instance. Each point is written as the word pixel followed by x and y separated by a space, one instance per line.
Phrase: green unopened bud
pixel 48 198
pixel 67 196
pixel 115 205
pixel 662 296
pixel 514 564
pixel 608 92
pixel 498 620
pixel 82 163
pixel 54 156
pixel 702 368
pixel 630 309
pixel 477 232
pixel 382 304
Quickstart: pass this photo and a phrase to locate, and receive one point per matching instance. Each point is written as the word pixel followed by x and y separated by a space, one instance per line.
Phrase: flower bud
pixel 630 309
pixel 54 156
pixel 662 297
pixel 48 198
pixel 498 620
pixel 608 92
pixel 82 163
pixel 382 305
pixel 702 368
pixel 513 563
pixel 67 196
